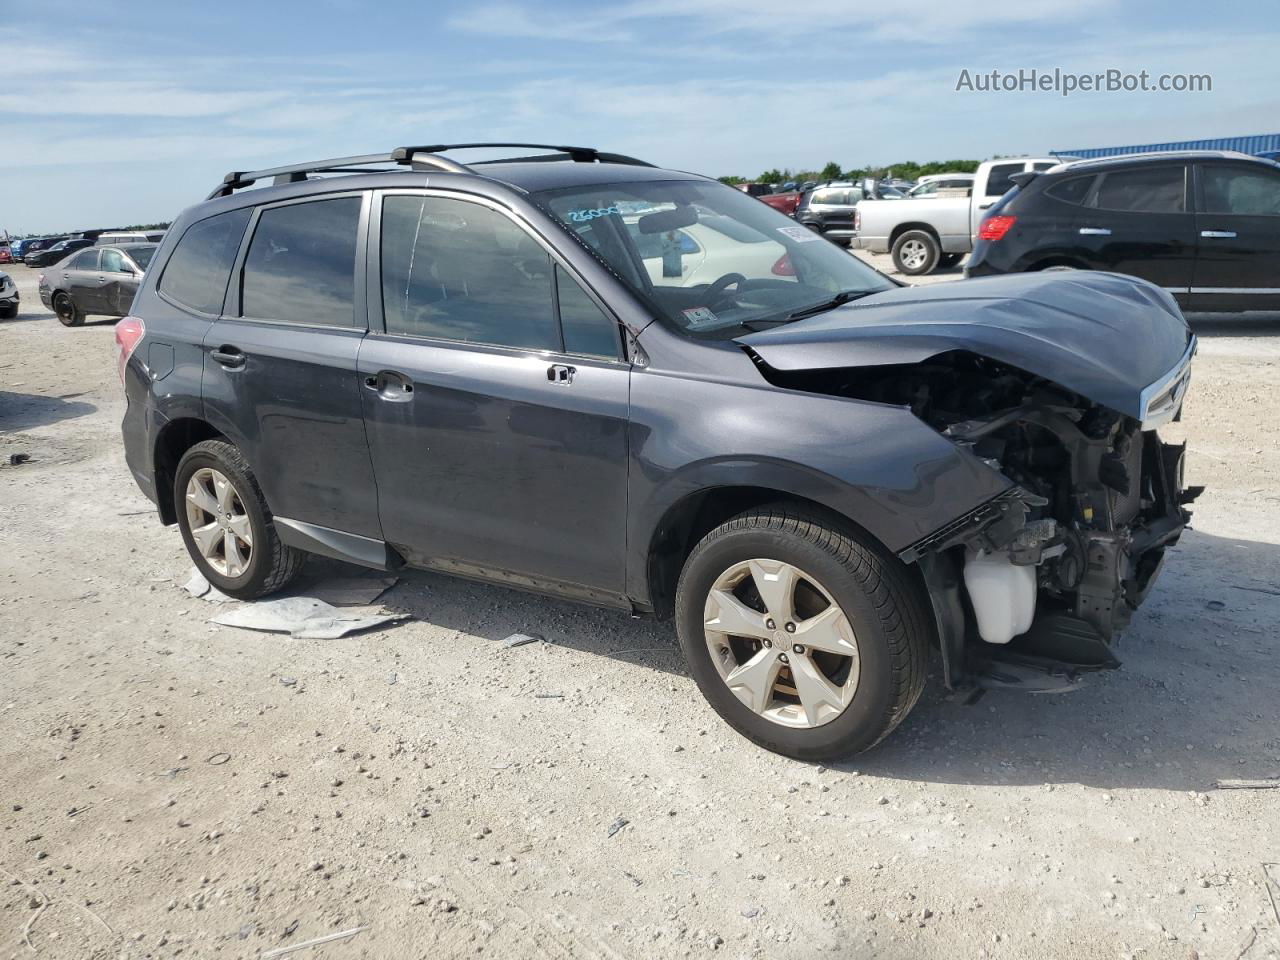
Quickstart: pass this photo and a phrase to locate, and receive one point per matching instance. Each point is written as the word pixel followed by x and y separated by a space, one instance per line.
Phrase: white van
pixel 130 236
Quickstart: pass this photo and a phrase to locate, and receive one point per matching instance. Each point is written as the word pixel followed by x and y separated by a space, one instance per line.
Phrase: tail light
pixel 40 278
pixel 782 267
pixel 993 228
pixel 129 333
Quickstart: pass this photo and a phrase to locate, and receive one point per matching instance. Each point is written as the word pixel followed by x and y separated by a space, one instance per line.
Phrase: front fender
pixel 875 464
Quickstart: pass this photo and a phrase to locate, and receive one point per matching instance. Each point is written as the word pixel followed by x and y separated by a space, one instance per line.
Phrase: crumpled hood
pixel 1101 335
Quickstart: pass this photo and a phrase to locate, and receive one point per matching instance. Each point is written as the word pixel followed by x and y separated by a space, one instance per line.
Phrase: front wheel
pixel 916 252
pixel 948 260
pixel 9 312
pixel 804 637
pixel 69 315
pixel 226 524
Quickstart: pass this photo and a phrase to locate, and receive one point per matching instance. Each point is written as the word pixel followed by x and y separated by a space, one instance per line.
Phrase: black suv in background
pixel 1205 225
pixel 828 210
pixel 503 370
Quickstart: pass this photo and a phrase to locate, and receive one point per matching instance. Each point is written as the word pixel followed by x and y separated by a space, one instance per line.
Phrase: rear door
pixel 495 397
pixel 280 363
pixel 1137 220
pixel 1238 223
pixel 80 278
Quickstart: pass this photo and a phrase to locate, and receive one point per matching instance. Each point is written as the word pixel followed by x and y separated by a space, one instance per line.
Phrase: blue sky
pixel 115 114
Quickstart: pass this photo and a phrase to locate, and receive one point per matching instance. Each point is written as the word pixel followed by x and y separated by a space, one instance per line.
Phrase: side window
pixel 112 261
pixel 458 270
pixel 588 330
pixel 301 263
pixel 998 182
pixel 1044 165
pixel 1144 190
pixel 1073 190
pixel 85 260
pixel 1239 191
pixel 199 267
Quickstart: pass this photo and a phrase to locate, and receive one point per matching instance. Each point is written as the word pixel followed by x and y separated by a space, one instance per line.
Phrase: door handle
pixel 390 386
pixel 1218 234
pixel 985 204
pixel 229 357
pixel 561 373
pixel 102 279
pixel 1094 232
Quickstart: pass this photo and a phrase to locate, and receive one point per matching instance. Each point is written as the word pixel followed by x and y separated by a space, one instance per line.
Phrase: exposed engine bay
pixel 1050 571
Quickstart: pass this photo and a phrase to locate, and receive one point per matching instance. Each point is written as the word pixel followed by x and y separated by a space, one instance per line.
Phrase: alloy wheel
pixel 913 254
pixel 218 522
pixel 781 643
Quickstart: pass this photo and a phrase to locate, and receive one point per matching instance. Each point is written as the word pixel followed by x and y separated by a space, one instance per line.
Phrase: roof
pixel 1156 156
pixel 1256 145
pixel 563 166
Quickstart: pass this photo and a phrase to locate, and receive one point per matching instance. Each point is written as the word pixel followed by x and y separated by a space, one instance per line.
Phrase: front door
pixel 1238 221
pixel 280 364
pixel 495 400
pixel 118 283
pixel 1137 220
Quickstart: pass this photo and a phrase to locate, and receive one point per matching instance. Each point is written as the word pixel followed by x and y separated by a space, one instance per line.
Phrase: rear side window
pixel 456 270
pixel 999 178
pixel 301 264
pixel 588 330
pixel 1239 191
pixel 1073 190
pixel 1143 190
pixel 199 267
pixel 85 260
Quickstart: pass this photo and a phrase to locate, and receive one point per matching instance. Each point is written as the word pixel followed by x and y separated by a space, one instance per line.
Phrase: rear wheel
pixel 948 260
pixel 69 315
pixel 916 252
pixel 803 636
pixel 226 524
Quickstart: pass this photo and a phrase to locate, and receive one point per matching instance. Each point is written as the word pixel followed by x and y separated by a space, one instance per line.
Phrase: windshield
pixel 709 259
pixel 141 255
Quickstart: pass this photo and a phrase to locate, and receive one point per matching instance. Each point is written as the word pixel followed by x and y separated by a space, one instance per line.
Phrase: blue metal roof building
pixel 1261 145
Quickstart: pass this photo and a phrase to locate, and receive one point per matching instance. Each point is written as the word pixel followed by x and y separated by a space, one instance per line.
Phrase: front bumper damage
pixel 1085 576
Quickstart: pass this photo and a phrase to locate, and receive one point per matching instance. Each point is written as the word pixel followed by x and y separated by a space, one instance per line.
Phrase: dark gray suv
pixel 582 375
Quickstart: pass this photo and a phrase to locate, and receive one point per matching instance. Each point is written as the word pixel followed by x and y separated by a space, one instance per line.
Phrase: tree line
pixel 910 170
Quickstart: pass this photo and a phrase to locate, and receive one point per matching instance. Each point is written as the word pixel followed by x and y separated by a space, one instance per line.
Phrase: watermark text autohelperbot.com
pixel 1065 83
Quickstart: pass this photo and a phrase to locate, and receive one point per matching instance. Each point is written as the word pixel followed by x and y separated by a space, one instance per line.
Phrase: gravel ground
pixel 175 788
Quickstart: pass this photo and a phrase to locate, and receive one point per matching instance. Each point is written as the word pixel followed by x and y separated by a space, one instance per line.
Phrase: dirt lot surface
pixel 175 788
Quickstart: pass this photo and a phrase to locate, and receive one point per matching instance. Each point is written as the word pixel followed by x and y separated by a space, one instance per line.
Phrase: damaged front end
pixel 1034 585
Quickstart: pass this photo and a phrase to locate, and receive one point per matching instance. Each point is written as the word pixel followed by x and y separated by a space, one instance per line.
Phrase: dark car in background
pixel 9 298
pixel 1204 225
pixel 828 210
pixel 97 281
pixel 54 252
pixel 819 473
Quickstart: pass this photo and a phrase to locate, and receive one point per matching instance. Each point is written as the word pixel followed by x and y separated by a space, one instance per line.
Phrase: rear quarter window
pixel 198 269
pixel 1072 190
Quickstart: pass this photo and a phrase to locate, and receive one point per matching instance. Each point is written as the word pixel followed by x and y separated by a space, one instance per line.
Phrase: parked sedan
pixel 54 253
pixel 99 280
pixel 1205 225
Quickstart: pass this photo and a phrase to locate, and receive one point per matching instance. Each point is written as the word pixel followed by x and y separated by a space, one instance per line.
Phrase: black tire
pixel 9 313
pixel 272 563
pixel 885 607
pixel 69 315
pixel 906 246
pixel 949 260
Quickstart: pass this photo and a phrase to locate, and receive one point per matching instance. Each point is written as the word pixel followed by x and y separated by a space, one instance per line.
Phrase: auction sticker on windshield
pixel 799 234
pixel 700 316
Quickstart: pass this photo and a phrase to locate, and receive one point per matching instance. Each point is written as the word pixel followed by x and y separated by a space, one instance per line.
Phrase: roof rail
pixel 576 154
pixel 418 158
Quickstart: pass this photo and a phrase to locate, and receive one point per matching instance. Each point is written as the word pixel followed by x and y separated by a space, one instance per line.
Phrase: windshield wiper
pixel 843 297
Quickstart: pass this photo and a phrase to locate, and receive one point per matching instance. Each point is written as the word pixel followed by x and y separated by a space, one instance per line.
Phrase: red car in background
pixel 5 255
pixel 782 202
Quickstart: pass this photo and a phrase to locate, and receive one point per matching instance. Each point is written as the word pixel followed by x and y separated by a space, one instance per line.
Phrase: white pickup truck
pixel 936 231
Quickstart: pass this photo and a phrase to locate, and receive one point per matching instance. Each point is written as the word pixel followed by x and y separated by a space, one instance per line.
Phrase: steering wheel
pixel 715 292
